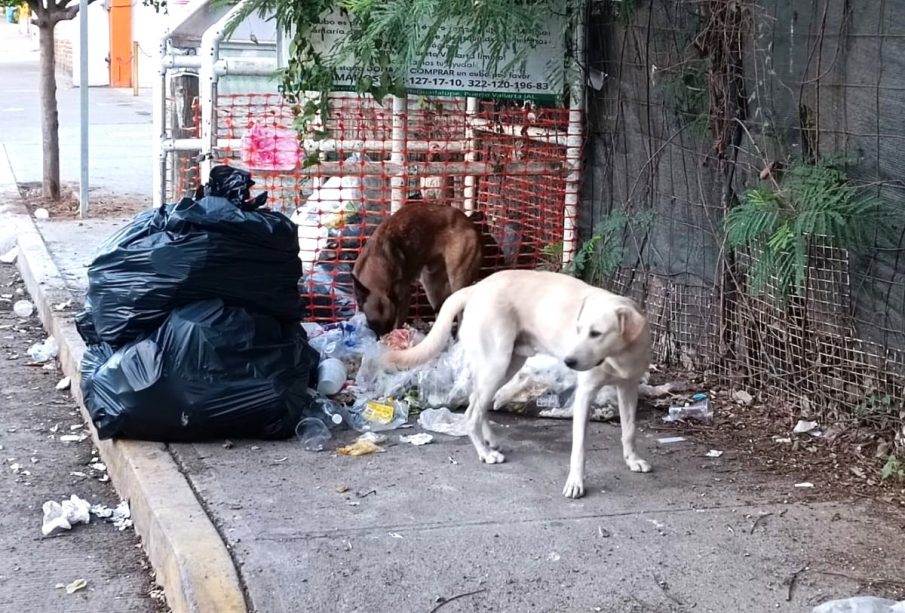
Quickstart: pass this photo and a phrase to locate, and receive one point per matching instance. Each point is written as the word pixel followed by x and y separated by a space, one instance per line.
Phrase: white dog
pixel 514 314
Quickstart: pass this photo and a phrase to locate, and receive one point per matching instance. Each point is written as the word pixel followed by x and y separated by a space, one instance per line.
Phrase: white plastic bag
pixel 861 604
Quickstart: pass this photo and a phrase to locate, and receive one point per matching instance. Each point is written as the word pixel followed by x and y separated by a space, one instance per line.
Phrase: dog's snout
pixel 571 362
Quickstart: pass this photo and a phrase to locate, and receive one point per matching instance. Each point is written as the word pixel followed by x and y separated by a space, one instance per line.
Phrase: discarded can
pixel 696 408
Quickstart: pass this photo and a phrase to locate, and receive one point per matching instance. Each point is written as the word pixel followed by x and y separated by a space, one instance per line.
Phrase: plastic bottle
pixel 329 411
pixel 376 415
pixel 697 408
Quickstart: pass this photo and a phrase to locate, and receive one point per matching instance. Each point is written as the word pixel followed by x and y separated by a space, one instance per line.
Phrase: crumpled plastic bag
pixel 443 421
pixel 64 516
pixel 861 604
pixel 272 148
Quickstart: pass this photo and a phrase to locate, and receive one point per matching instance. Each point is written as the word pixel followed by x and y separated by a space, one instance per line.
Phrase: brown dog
pixel 433 242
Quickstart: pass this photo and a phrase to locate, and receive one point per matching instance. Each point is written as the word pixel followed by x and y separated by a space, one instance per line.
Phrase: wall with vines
pixel 762 147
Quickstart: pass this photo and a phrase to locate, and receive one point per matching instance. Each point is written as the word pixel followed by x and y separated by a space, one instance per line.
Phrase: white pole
pixel 575 137
pixel 398 152
pixel 83 106
pixel 471 146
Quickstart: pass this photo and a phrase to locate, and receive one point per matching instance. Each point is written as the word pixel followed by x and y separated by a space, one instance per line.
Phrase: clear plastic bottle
pixel 329 411
pixel 376 415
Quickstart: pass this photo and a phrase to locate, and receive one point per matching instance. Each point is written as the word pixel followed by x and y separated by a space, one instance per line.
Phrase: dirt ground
pixel 36 466
pixel 846 460
pixel 101 203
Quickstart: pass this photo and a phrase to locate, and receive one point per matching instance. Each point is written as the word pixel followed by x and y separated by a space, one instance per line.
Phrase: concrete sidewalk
pixel 418 524
pixel 120 125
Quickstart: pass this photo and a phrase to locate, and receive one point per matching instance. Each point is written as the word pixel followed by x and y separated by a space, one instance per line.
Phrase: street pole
pixel 83 106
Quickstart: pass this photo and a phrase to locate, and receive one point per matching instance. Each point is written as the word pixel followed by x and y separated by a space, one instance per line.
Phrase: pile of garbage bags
pixel 192 321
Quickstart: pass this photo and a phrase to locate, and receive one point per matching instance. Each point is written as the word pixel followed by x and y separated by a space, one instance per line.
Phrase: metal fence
pixel 705 100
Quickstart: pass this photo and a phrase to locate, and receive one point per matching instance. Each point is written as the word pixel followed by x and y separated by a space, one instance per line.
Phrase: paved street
pixel 33 416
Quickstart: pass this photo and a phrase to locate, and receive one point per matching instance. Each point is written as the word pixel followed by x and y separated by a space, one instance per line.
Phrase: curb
pixel 190 560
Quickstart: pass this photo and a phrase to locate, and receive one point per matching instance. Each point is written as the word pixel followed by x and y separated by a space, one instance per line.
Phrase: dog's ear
pixel 631 323
pixel 361 292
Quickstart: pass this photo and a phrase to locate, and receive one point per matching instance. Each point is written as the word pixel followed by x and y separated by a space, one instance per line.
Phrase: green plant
pixel 686 90
pixel 875 405
pixel 602 254
pixel 385 38
pixel 894 469
pixel 814 203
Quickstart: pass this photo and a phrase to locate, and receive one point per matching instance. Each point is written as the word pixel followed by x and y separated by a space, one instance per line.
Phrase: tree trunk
pixel 50 121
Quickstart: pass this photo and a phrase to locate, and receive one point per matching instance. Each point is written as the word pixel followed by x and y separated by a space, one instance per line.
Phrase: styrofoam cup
pixel 331 375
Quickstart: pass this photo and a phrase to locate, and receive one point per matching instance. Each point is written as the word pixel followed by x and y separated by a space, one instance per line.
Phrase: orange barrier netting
pixel 505 166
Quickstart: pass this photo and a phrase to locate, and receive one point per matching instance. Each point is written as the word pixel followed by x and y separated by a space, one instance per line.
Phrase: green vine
pixel 813 204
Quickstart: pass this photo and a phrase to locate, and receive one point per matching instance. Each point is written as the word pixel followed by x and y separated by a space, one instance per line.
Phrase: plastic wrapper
pixel 222 246
pixel 210 371
pixel 861 604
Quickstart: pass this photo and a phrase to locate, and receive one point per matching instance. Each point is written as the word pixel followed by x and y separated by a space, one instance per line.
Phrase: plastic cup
pixel 331 375
pixel 313 434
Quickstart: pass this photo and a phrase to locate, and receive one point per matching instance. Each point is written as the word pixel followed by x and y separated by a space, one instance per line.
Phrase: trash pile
pixel 357 393
pixel 192 321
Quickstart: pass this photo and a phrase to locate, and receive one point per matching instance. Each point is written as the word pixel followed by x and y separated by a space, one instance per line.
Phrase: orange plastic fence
pixel 504 165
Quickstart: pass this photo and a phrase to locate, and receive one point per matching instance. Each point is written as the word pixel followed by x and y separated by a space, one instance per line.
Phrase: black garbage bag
pixel 194 250
pixel 210 371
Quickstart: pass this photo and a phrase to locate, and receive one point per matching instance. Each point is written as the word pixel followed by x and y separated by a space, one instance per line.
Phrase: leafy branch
pixel 602 254
pixel 815 203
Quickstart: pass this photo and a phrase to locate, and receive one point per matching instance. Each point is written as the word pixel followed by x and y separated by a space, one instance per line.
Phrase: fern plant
pixel 602 254
pixel 814 202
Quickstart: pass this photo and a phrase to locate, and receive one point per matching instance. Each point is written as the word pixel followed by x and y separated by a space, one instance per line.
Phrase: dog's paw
pixel 493 457
pixel 493 443
pixel 637 465
pixel 574 487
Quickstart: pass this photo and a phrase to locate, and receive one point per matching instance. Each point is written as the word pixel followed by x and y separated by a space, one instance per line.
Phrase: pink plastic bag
pixel 270 148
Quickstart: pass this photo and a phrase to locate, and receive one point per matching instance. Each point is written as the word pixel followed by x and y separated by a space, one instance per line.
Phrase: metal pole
pixel 83 106
pixel 135 50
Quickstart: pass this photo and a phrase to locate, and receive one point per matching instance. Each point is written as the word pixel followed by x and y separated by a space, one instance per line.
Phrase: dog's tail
pixel 436 339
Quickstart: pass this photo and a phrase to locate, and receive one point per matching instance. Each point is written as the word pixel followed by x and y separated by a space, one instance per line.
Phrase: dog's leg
pixel 628 405
pixel 490 437
pixel 486 384
pixel 404 302
pixel 588 384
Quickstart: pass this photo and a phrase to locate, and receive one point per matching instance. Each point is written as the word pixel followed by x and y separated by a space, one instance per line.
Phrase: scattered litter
pixel 121 516
pixel 73 438
pixel 227 444
pixel 861 604
pixel 803 427
pixel 782 439
pixel 64 516
pixel 697 408
pixel 671 439
pixel 42 213
pixel 331 376
pixel 78 584
pixel 804 484
pixel 64 383
pixel 554 557
pixel 104 478
pixel 281 460
pixel 44 351
pixel 452 460
pixel 342 489
pixel 23 309
pixel 743 398
pixel 313 433
pixel 713 453
pixel 375 415
pixel 395 535
pixel 98 466
pixel 603 532
pixel 422 438
pixel 77 473
pixel 10 256
pixel 16 468
pixel 444 421
pixel 373 437
pixel 75 427
pixel 62 306
pixel 360 447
